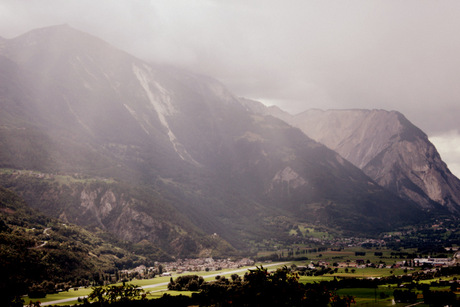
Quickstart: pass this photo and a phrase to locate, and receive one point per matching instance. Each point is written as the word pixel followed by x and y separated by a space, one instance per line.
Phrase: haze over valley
pixel 110 160
pixel 160 154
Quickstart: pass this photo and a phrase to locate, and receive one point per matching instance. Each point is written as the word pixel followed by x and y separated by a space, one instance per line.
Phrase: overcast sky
pixel 297 54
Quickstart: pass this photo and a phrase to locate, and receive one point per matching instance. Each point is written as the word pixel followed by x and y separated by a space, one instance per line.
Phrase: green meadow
pixel 381 296
pixel 155 287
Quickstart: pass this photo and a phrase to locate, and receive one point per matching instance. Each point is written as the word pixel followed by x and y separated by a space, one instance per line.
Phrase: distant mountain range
pixel 386 146
pixel 94 136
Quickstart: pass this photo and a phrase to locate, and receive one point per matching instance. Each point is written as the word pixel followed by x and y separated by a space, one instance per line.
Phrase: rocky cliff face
pixel 389 149
pixel 129 213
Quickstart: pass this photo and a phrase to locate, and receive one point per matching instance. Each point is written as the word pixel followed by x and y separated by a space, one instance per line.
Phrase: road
pixel 166 283
pixel 44 242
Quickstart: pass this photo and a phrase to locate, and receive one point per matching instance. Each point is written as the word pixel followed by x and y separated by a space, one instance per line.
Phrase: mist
pixel 393 55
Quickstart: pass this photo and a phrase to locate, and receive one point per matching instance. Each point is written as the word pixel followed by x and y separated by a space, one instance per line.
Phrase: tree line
pixel 258 287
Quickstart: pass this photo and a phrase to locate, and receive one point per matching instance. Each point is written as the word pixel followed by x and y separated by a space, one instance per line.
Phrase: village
pixel 188 265
pixel 181 266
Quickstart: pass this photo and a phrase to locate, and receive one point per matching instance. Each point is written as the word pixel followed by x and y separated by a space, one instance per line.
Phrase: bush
pixel 113 294
pixel 404 296
pixel 263 288
pixel 186 283
pixel 439 298
pixel 37 291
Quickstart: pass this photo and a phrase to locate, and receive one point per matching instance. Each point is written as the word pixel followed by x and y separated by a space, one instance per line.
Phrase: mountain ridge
pixel 180 140
pixel 387 147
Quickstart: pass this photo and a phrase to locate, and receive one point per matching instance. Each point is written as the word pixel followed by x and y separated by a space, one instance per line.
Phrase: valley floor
pixel 381 295
pixel 156 286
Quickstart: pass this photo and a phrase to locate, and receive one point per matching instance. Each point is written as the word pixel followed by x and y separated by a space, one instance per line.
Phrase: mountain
pixel 387 147
pixel 94 136
pixel 39 252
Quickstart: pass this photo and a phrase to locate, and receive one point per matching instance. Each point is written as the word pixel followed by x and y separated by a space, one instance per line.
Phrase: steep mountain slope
pixel 166 147
pixel 86 93
pixel 387 147
pixel 132 214
pixel 40 252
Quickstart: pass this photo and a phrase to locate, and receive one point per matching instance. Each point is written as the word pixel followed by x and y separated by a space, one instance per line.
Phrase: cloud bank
pixel 382 54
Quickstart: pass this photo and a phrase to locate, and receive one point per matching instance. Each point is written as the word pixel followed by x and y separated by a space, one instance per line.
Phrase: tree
pixel 112 294
pixel 404 296
pixel 186 283
pixel 259 288
pixel 263 288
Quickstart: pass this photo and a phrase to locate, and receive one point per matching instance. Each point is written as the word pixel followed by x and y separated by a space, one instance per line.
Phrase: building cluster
pixel 202 264
pixel 185 265
pixel 407 264
pixel 436 262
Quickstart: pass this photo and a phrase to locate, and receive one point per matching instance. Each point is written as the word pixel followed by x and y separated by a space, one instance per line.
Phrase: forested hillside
pixel 40 254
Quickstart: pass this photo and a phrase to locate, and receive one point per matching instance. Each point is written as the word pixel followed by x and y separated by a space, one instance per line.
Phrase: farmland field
pixel 156 286
pixel 338 264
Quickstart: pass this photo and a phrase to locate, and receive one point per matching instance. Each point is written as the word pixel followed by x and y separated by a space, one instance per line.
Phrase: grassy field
pixel 382 296
pixel 160 293
pixel 156 286
pixel 350 254
pixel 388 256
pixel 368 272
pixel 312 279
pixel 359 273
pixel 61 179
pixel 71 294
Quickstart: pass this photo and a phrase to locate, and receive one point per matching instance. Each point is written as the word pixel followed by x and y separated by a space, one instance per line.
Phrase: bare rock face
pixel 290 177
pixel 358 135
pixel 389 149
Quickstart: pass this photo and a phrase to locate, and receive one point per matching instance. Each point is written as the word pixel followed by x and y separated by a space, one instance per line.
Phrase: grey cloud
pixel 398 55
